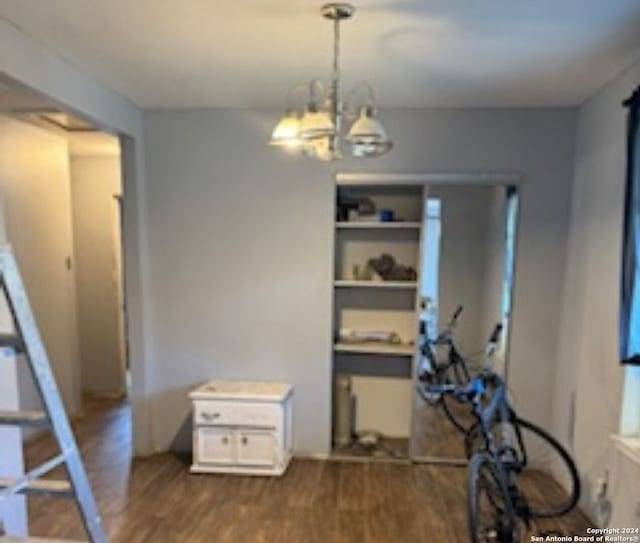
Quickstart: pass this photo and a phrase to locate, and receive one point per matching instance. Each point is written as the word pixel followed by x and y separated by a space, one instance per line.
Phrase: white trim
pixel 429 178
pixel 305 455
pixel 265 471
pixel 440 460
pixel 629 446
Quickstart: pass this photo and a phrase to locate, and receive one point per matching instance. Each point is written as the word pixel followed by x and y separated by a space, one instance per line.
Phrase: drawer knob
pixel 210 416
pixel 225 440
pixel 245 440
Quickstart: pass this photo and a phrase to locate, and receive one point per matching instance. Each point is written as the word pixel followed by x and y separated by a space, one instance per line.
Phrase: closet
pixel 378 234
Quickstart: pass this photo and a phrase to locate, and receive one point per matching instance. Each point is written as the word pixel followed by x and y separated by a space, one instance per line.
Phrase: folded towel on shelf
pixel 349 335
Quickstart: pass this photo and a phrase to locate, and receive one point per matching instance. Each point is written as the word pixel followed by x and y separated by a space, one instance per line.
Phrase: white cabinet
pixel 242 427
pixel 256 448
pixel 214 445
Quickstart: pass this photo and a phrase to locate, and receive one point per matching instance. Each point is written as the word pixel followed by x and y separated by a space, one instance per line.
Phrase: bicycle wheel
pixel 490 515
pixel 548 479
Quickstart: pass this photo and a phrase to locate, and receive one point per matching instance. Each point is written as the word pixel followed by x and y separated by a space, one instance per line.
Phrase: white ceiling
pixel 203 53
pixel 93 144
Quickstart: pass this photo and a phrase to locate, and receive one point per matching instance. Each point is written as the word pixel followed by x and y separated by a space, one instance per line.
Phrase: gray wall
pixel 588 374
pixel 240 247
pixel 464 251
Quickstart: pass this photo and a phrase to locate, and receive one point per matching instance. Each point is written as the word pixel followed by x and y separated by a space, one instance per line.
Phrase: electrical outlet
pixel 602 485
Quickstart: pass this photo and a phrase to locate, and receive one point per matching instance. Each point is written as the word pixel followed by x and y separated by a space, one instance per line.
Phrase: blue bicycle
pixel 517 471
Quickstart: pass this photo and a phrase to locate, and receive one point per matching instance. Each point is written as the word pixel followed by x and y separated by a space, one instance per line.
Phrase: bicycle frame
pixel 454 359
pixel 507 460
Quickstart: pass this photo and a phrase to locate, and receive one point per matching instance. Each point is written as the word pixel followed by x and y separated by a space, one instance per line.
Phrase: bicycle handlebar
pixel 469 392
pixel 456 314
pixel 495 335
pixel 444 337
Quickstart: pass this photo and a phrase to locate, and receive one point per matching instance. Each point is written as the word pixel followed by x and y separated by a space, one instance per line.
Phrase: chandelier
pixel 318 130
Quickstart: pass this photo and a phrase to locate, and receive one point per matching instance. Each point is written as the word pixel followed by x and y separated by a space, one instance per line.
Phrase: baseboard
pixel 307 455
pixel 104 395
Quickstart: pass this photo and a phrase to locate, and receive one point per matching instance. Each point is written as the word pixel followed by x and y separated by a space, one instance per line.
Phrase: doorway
pixel 60 187
pixel 430 270
pixel 96 195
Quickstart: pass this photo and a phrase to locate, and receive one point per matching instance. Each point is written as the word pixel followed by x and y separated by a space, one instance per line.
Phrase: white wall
pixel 95 181
pixel 34 183
pixel 13 514
pixel 588 371
pixel 240 246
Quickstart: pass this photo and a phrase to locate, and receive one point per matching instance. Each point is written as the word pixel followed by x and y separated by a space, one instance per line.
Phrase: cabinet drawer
pixel 215 446
pixel 237 414
pixel 255 448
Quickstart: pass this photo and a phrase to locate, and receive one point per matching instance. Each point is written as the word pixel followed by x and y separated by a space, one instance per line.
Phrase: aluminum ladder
pixel 27 341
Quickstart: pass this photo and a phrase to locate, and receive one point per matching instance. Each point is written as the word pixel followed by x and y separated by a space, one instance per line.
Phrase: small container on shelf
pixel 386 215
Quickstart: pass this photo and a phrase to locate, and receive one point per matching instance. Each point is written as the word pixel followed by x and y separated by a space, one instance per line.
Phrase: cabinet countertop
pixel 264 391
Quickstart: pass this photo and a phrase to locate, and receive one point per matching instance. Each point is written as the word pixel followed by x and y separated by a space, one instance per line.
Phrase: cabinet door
pixel 256 448
pixel 215 446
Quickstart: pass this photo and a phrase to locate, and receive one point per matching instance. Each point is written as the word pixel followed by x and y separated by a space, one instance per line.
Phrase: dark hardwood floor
pixel 157 500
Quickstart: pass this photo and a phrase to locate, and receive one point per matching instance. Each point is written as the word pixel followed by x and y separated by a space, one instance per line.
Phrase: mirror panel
pixel 467 261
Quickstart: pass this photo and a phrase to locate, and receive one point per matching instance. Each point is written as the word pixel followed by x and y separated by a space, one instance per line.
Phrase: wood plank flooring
pixel 157 500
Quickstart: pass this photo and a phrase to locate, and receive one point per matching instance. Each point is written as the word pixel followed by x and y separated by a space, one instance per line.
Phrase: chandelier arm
pixel 317 92
pixel 351 106
pixel 295 89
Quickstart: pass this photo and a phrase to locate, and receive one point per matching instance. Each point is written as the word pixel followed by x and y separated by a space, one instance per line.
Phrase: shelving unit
pixel 380 373
pixel 375 347
pixel 366 225
pixel 354 283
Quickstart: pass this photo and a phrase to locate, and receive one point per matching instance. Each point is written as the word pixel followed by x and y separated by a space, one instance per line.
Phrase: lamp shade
pixel 370 149
pixel 323 149
pixel 367 136
pixel 287 131
pixel 316 124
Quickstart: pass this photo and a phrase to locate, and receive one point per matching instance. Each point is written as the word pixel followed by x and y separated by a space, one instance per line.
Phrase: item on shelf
pixel 365 273
pixel 354 216
pixel 386 215
pixel 362 273
pixel 369 438
pixel 349 335
pixel 343 411
pixel 361 206
pixel 387 268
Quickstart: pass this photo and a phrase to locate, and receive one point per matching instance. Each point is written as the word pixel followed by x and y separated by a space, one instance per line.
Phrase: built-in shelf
pixel 353 283
pixel 374 347
pixel 398 225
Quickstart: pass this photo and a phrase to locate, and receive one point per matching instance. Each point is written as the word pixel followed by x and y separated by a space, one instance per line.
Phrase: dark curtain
pixel 630 288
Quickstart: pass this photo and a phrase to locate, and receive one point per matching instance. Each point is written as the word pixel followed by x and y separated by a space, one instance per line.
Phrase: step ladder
pixel 27 341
